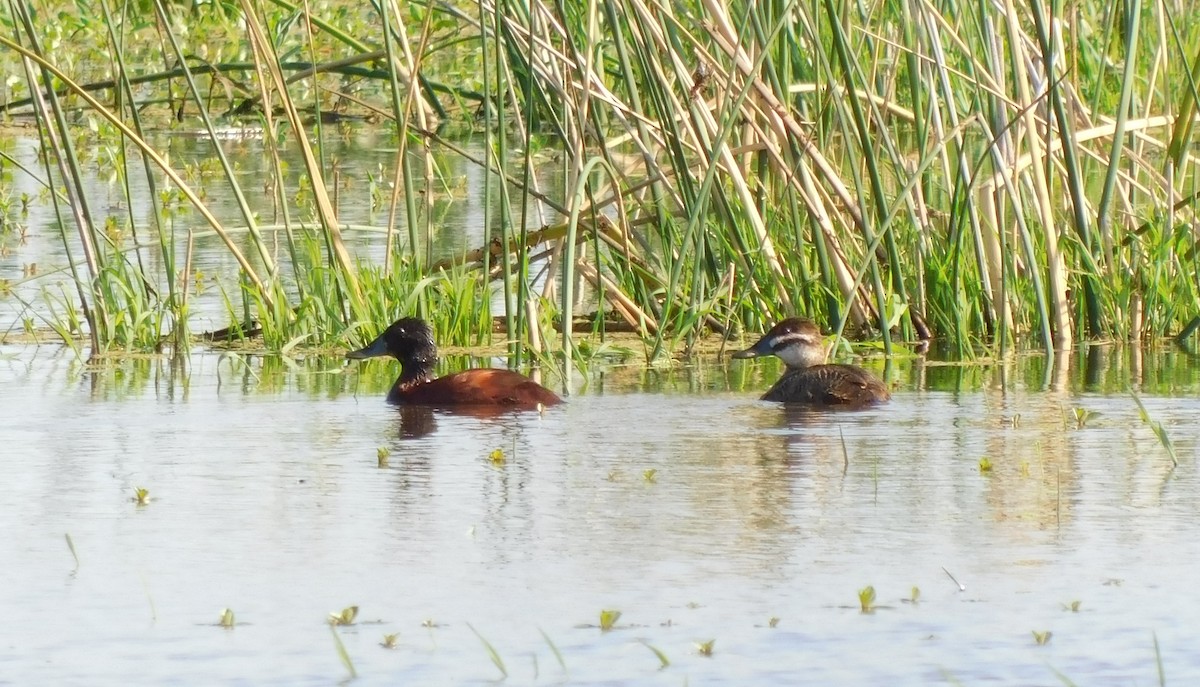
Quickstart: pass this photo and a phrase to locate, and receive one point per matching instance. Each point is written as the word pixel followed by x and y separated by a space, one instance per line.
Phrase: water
pixel 267 499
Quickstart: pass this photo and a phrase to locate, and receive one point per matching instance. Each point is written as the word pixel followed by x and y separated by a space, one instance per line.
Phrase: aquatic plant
pixel 1158 429
pixel 892 171
pixel 71 546
pixel 497 458
pixel 554 649
pixel 663 661
pixel 227 619
pixel 345 617
pixel 705 648
pixel 608 619
pixel 1042 638
pixel 381 455
pixel 141 496
pixel 491 651
pixel 866 599
pixel 340 648
pixel 1082 416
pixel 389 640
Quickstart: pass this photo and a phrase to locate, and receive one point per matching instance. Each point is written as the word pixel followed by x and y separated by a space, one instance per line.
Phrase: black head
pixel 796 341
pixel 409 340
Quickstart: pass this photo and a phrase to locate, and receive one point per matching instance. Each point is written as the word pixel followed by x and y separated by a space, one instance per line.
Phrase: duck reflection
pixel 419 421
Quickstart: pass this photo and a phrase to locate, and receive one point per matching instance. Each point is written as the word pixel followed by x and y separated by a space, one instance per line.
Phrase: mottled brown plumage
pixel 410 340
pixel 808 379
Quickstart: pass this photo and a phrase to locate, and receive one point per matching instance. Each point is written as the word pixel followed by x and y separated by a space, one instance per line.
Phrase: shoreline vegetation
pixel 984 175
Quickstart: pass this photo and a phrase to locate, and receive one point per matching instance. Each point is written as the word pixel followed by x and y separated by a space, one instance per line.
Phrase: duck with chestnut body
pixel 410 341
pixel 798 343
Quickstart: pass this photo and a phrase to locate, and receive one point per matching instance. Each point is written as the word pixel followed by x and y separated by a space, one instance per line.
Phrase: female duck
pixel 808 379
pixel 410 340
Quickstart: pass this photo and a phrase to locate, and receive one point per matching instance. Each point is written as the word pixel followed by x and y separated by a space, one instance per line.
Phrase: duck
pixel 798 343
pixel 410 341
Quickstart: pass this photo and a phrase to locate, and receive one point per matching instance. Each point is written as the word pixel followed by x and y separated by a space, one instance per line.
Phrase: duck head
pixel 797 342
pixel 409 340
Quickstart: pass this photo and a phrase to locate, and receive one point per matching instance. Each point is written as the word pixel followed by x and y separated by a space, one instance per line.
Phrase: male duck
pixel 410 340
pixel 808 379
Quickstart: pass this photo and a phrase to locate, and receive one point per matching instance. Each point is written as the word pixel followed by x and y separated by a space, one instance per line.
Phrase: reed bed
pixel 984 173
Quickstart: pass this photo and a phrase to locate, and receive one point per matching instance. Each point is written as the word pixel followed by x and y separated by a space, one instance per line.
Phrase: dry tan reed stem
pixel 315 174
pixel 1060 315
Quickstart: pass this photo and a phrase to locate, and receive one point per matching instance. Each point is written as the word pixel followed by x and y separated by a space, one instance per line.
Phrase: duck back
pixel 832 385
pixel 475 387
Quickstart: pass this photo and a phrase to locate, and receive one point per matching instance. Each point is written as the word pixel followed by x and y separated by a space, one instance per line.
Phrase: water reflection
pixel 671 495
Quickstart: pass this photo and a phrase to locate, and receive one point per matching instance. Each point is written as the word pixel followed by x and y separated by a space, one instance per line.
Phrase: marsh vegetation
pixel 980 173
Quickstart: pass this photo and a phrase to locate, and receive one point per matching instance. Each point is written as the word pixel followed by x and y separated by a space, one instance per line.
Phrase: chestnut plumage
pixel 410 341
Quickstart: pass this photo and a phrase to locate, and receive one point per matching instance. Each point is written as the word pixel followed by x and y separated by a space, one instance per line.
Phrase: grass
pixel 716 168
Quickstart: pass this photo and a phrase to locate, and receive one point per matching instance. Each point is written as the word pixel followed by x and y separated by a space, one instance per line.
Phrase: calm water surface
pixel 267 498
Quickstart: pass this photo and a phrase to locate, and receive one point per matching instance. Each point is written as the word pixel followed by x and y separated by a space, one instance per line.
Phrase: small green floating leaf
pixel 389 640
pixel 706 648
pixel 383 453
pixel 141 496
pixel 497 457
pixel 866 599
pixel 1073 606
pixel 1041 637
pixel 650 475
pixel 1083 416
pixel 985 464
pixel 915 595
pixel 346 617
pixel 773 622
pixel 227 620
pixel 608 619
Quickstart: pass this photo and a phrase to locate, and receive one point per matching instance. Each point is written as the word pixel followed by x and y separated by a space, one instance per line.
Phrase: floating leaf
pixel 866 599
pixel 773 622
pixel 1041 637
pixel 497 457
pixel 608 619
pixel 389 641
pixel 914 595
pixel 141 496
pixel 1073 606
pixel 985 464
pixel 382 453
pixel 706 648
pixel 227 620
pixel 1083 416
pixel 650 475
pixel 346 617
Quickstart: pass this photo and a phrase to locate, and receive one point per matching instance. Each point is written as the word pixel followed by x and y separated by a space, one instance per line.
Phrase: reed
pixel 985 173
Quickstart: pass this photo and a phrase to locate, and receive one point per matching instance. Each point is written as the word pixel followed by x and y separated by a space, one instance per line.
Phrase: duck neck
pixel 416 371
pixel 802 357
